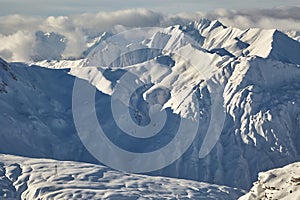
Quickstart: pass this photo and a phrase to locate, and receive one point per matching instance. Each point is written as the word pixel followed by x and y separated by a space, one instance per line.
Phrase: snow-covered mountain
pixel 48 46
pixel 241 86
pixel 36 113
pixel 281 183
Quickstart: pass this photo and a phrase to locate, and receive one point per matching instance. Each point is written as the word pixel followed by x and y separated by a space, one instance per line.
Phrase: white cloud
pixel 13 23
pixel 107 20
pixel 17 46
pixel 18 33
pixel 284 18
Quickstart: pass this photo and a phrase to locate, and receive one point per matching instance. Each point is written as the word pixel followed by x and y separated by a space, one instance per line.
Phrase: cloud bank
pixel 21 40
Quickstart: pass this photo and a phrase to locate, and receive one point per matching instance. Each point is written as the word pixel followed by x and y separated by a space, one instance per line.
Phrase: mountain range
pixel 240 87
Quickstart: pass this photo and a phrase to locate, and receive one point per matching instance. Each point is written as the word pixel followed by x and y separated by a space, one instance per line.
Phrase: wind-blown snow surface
pixel 281 183
pixel 258 70
pixel 27 178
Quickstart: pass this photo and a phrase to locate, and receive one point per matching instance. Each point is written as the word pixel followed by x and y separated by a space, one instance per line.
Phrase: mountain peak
pixel 273 44
pixel 285 48
pixel 204 26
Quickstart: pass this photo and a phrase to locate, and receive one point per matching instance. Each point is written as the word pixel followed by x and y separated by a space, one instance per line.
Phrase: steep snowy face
pixel 262 102
pixel 281 183
pixel 6 76
pixel 36 113
pixel 239 89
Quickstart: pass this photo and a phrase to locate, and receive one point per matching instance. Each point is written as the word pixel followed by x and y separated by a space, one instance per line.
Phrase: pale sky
pixel 69 7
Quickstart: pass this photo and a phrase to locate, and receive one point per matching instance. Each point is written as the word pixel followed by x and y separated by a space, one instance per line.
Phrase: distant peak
pixel 205 25
pixel 201 23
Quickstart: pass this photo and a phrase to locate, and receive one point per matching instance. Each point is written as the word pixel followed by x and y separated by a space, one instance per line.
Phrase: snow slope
pixel 281 183
pixel 36 113
pixel 253 75
pixel 27 178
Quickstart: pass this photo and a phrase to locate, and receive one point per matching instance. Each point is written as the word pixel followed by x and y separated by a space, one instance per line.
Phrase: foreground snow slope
pixel 281 183
pixel 27 178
